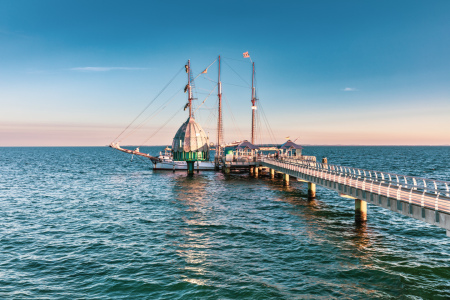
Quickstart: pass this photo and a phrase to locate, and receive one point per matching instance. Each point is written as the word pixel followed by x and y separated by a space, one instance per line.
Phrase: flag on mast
pixel 205 71
pixel 245 54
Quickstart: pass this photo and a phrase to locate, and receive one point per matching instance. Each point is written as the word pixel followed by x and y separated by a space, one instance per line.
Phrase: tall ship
pixel 191 148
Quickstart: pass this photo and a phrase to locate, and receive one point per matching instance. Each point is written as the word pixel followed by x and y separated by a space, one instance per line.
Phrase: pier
pixel 423 199
pixel 420 198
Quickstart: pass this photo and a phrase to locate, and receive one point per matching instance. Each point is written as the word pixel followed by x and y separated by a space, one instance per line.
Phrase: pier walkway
pixel 420 198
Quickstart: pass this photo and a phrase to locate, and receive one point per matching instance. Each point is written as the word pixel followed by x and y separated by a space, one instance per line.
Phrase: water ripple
pixel 88 223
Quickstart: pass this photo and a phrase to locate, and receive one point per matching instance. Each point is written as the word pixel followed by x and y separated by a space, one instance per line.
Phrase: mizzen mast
pixel 253 104
pixel 219 118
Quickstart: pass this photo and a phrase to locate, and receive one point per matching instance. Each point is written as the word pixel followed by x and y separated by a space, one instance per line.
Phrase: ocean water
pixel 89 223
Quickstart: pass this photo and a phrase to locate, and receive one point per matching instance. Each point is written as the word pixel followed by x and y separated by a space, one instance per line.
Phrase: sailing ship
pixel 190 146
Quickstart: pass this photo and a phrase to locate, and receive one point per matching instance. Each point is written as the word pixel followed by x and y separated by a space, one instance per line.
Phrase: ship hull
pixel 182 165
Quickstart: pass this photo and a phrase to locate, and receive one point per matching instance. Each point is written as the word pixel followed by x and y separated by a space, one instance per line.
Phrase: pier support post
pixel 311 190
pixel 360 210
pixel 251 170
pixel 256 171
pixel 285 179
pixel 226 169
pixel 216 163
pixel 190 167
pixel 272 173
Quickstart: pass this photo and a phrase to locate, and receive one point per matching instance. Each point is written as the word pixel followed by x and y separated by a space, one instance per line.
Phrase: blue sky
pixel 328 72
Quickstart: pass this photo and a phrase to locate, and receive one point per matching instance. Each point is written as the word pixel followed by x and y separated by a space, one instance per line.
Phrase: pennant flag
pixel 288 137
pixel 245 54
pixel 205 71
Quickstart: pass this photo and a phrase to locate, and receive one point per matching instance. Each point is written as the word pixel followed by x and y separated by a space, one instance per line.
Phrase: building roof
pixel 190 137
pixel 289 145
pixel 246 145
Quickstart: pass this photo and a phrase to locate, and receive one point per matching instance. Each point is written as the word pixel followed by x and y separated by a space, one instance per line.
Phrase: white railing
pixel 408 188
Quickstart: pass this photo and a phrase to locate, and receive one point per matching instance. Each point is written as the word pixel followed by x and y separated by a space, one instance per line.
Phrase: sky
pixel 76 73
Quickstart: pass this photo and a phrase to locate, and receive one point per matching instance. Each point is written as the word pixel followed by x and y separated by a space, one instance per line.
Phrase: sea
pixel 93 223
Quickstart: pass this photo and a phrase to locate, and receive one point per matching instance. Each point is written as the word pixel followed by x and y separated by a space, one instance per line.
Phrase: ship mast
pixel 253 105
pixel 188 71
pixel 219 119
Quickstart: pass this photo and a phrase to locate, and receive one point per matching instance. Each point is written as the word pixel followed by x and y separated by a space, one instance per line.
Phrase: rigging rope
pixel 162 126
pixel 233 120
pixel 164 88
pixel 159 109
pixel 237 73
pixel 269 128
pixel 155 113
pixel 205 99
pixel 241 60
pixel 245 87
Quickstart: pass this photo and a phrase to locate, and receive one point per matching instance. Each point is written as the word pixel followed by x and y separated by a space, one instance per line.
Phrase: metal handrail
pixel 409 182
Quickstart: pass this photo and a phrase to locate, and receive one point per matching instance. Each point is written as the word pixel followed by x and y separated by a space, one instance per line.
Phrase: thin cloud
pixel 104 69
pixel 349 89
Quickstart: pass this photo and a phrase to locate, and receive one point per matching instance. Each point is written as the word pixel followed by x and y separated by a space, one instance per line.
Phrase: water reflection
pixel 326 224
pixel 192 193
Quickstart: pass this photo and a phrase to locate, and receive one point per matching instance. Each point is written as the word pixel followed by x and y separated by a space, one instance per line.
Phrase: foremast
pixel 189 87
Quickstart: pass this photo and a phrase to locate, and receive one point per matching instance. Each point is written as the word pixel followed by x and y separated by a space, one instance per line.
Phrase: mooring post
pixel 285 179
pixel 251 170
pixel 360 210
pixel 256 171
pixel 311 190
pixel 272 173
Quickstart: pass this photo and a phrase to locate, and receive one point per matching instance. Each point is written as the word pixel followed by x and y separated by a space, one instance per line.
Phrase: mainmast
pixel 219 119
pixel 189 88
pixel 253 105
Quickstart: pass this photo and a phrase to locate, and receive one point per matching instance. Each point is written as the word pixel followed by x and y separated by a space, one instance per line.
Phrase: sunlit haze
pixel 76 73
